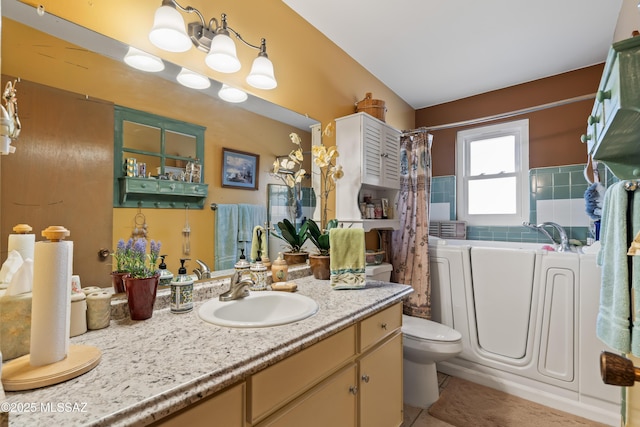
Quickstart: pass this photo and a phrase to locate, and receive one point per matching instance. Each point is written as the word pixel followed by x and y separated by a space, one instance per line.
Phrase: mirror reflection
pixel 88 79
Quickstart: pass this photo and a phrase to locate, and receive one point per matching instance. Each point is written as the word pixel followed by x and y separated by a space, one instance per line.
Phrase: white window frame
pixel 520 130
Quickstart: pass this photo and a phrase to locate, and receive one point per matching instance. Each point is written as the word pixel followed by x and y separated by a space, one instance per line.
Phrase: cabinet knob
pixel 383 326
pixel 353 390
pixel 602 95
pixel 143 185
pixel 593 120
pixel 585 138
pixel 365 378
pixel 172 186
pixel 384 155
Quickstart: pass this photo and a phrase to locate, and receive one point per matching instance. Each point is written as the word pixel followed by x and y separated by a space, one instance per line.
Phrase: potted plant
pixel 119 256
pixel 320 261
pixel 290 171
pixel 141 276
pixel 294 239
pixel 325 158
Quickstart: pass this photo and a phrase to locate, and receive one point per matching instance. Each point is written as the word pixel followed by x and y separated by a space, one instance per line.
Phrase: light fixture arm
pixel 202 33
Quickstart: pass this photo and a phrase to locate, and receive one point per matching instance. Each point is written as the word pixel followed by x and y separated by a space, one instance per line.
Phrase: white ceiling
pixel 434 51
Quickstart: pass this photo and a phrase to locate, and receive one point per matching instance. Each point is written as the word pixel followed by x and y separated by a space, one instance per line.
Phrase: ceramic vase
pixel 295 257
pixel 141 295
pixel 117 280
pixel 320 266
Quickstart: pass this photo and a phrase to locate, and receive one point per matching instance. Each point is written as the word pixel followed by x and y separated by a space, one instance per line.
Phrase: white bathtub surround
pixel 527 319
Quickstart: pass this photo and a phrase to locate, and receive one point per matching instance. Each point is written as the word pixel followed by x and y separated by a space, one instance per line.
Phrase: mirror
pixel 226 115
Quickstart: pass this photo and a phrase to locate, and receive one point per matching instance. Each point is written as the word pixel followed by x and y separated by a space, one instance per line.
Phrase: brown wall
pixel 554 133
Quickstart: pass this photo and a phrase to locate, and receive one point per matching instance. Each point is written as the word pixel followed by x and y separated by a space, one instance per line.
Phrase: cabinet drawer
pixel 170 187
pixel 195 189
pixel 226 407
pixel 141 185
pixel 280 383
pixel 378 326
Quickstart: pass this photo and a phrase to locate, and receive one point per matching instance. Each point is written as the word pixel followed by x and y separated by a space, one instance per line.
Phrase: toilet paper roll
pixel 51 309
pixel 98 310
pixel 15 325
pixel 90 289
pixel 23 243
pixel 78 314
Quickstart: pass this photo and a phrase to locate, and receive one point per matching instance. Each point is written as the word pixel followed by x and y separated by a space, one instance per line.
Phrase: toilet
pixel 424 343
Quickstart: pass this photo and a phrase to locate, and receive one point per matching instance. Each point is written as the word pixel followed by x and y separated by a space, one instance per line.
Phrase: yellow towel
pixel 347 262
pixel 263 244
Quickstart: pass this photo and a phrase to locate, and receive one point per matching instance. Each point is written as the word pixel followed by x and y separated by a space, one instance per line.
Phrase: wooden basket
pixel 373 107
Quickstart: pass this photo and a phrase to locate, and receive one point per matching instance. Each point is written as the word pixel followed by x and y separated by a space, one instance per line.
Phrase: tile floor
pixel 418 417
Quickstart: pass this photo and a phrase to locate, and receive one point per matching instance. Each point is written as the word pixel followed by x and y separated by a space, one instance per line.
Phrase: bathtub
pixel 527 318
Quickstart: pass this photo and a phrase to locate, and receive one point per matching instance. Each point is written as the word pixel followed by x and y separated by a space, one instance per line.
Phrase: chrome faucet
pixel 203 272
pixel 239 288
pixel 564 239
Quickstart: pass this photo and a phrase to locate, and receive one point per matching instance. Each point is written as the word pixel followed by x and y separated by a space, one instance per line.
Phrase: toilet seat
pixel 428 330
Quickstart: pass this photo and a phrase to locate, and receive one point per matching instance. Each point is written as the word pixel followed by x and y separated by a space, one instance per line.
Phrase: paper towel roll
pixel 51 309
pixel 23 243
pixel 98 310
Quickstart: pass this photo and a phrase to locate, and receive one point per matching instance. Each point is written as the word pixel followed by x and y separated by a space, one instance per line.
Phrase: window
pixel 492 168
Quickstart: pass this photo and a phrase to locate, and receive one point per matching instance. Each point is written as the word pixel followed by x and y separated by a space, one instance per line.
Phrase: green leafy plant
pixel 294 238
pixel 320 238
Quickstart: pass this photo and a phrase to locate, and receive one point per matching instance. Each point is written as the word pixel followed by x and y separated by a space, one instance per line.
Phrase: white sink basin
pixel 259 309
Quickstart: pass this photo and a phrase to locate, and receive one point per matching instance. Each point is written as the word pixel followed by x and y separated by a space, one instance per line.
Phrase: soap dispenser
pixel 242 267
pixel 165 275
pixel 182 290
pixel 279 269
pixel 258 275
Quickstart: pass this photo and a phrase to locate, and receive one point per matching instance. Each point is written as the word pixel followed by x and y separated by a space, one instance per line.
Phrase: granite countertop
pixel 154 367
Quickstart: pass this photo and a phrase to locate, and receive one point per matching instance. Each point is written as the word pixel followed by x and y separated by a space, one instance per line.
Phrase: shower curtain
pixel 410 243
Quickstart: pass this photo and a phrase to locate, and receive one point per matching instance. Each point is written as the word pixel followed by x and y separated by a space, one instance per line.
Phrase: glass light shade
pixel 222 55
pixel 231 94
pixel 192 79
pixel 168 31
pixel 261 75
pixel 143 61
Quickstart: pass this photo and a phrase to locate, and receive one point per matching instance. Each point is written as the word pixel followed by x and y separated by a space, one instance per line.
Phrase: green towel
pixel 612 325
pixel 263 244
pixel 347 262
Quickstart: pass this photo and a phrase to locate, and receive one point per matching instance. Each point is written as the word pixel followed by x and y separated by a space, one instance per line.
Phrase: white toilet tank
pixel 380 272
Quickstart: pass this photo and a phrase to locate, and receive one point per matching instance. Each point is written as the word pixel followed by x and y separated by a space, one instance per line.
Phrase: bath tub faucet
pixel 239 288
pixel 564 239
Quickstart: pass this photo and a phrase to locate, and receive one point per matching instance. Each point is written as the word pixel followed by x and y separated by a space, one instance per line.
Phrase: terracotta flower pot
pixel 141 295
pixel 117 280
pixel 295 257
pixel 320 266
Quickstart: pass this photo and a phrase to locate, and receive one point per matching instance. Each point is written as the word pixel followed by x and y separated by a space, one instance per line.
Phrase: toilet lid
pixel 428 330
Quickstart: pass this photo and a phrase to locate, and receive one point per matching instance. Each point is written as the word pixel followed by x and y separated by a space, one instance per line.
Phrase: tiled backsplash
pixel 557 194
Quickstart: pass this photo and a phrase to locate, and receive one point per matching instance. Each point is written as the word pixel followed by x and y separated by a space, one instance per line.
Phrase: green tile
pixel 563 178
pixel 544 193
pixel 561 192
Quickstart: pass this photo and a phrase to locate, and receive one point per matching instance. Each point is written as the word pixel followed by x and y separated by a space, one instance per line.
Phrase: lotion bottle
pixel 279 269
pixel 182 290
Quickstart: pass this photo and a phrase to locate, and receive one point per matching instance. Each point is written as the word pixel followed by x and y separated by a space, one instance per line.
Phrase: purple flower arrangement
pixel 132 257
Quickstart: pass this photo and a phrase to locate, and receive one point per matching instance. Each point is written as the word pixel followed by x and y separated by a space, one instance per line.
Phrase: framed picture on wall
pixel 240 169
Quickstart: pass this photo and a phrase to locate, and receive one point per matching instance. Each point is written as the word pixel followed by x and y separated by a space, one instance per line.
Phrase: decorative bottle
pixel 182 291
pixel 279 269
pixel 259 275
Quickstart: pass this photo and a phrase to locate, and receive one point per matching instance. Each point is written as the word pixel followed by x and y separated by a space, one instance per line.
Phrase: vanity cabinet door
pixel 330 403
pixel 380 385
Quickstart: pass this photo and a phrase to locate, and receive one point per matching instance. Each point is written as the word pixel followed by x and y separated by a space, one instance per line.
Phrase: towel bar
pixel 618 370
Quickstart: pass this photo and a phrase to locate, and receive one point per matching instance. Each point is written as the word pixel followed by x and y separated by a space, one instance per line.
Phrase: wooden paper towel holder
pixel 18 374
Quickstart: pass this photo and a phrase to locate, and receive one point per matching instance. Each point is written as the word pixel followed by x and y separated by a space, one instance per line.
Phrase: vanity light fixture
pixel 232 94
pixel 169 33
pixel 192 79
pixel 143 61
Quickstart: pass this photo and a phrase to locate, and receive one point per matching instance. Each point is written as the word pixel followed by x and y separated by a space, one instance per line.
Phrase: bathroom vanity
pixel 342 366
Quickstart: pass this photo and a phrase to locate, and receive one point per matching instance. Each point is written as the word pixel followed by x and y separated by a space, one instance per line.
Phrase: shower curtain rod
pixel 501 115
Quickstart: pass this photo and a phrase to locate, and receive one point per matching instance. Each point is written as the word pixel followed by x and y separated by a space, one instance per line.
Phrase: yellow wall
pixel 314 78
